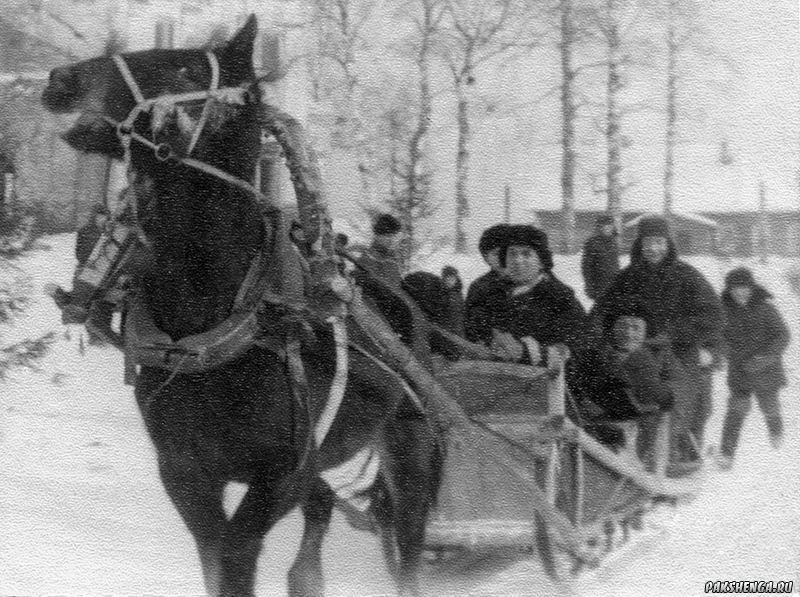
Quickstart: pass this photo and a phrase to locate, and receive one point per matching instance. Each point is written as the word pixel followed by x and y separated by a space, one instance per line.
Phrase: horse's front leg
pixel 267 501
pixel 199 502
pixel 305 575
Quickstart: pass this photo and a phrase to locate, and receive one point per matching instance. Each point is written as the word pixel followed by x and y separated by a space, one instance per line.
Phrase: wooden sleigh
pixel 547 464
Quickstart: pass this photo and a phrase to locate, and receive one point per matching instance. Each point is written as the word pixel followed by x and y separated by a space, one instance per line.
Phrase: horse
pixel 244 420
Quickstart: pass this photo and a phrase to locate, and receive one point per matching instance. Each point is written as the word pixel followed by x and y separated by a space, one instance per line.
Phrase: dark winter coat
pixel 380 280
pixel 599 264
pixel 431 296
pixel 383 263
pixel 623 385
pixel 549 313
pixel 682 303
pixel 754 330
pixel 484 296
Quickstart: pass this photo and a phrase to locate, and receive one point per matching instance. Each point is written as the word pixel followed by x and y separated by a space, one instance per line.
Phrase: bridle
pixel 163 151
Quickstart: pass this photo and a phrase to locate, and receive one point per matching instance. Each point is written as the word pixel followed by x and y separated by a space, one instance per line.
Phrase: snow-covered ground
pixel 82 511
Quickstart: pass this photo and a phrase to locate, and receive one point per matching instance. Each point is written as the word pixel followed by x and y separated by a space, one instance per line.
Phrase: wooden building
pixel 733 233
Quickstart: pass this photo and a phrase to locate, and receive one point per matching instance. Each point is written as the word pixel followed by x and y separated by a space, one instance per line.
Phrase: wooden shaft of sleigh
pixel 449 415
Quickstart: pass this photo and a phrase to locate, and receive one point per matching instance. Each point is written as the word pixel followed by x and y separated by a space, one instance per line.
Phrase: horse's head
pixel 97 88
pixel 203 230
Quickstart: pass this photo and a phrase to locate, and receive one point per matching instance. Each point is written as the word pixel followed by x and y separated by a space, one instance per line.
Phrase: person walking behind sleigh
pixel 756 337
pixel 686 308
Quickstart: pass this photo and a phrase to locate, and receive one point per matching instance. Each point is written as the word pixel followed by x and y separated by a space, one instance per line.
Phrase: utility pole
pixel 763 225
pixel 507 204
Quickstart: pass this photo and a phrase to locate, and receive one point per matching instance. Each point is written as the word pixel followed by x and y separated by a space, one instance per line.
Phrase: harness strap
pixel 128 77
pixel 230 178
pixel 410 392
pixel 164 152
pixel 336 394
pixel 214 63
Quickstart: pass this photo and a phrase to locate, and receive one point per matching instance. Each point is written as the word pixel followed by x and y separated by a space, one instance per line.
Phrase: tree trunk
pixel 462 166
pixel 568 116
pixel 672 113
pixel 414 175
pixel 614 121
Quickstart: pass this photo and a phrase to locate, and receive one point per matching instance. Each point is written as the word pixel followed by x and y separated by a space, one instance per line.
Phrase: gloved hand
pixel 705 358
pixel 506 347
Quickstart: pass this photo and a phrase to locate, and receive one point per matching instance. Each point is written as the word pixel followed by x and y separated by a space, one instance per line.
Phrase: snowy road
pixel 82 511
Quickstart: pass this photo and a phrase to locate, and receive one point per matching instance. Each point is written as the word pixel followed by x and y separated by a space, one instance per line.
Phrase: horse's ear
pixel 238 52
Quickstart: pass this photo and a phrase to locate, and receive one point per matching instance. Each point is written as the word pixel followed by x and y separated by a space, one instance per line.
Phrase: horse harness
pixel 146 344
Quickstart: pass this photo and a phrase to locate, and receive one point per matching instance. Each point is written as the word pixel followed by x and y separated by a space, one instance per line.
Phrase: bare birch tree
pixel 412 168
pixel 686 49
pixel 567 38
pixel 614 28
pixel 342 39
pixel 475 33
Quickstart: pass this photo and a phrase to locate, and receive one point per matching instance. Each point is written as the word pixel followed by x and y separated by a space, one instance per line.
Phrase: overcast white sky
pixel 759 114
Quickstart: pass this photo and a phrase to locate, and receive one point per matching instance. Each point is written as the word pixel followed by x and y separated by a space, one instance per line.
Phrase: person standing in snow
pixel 685 308
pixel 756 337
pixel 600 260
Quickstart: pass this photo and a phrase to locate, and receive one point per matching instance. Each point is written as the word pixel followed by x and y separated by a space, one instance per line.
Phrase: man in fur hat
pixel 600 260
pixel 539 310
pixel 380 277
pixel 488 289
pixel 382 257
pixel 684 306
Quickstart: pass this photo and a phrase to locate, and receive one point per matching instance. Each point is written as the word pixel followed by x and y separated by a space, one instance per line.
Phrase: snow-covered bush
pixel 16 231
pixel 15 293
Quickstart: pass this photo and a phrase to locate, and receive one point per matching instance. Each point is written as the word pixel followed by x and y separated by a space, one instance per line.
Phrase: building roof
pixel 693 217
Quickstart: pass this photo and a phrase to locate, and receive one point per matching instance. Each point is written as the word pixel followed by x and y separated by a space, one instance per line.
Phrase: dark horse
pixel 241 421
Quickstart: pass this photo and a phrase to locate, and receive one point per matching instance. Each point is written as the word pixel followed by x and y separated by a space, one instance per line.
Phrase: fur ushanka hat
pixel 492 238
pixel 528 236
pixel 653 226
pixel 386 224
